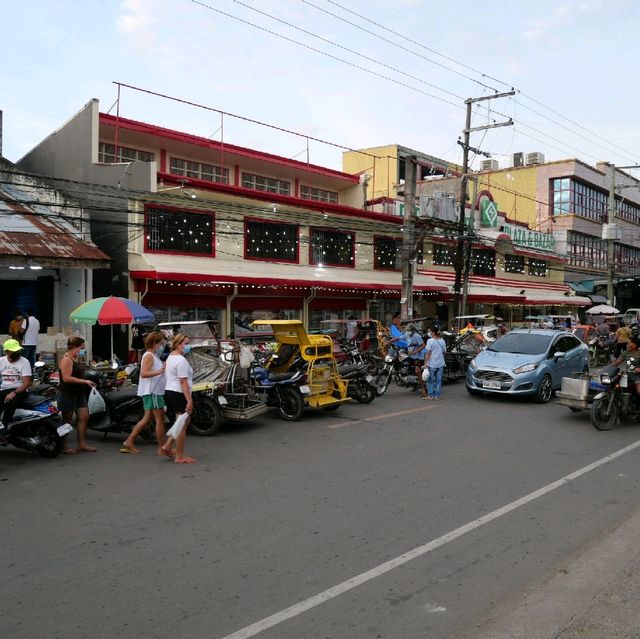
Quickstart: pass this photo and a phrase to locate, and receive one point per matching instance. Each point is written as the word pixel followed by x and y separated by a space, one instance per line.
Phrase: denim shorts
pixel 69 403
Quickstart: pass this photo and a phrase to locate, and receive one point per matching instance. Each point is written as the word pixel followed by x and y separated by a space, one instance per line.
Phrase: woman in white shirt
pixel 177 394
pixel 151 389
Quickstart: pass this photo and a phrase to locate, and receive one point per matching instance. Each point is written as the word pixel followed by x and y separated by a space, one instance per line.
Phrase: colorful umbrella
pixel 109 311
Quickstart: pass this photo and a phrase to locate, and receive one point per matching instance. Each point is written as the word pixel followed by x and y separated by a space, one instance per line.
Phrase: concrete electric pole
pixel 459 261
pixel 408 236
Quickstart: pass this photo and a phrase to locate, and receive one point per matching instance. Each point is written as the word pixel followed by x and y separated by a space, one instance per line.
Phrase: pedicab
pixel 298 351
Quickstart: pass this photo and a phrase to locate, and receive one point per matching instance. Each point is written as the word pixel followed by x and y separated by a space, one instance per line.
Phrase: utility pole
pixel 611 219
pixel 459 260
pixel 408 251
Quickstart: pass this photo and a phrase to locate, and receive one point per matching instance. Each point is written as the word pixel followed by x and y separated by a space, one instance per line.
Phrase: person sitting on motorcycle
pixel 631 357
pixel 15 372
pixel 397 334
pixel 602 330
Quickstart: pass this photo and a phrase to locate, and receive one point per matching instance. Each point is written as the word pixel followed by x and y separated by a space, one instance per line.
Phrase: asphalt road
pixel 277 519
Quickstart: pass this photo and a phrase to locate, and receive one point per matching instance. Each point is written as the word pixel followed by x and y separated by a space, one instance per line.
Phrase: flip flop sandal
pixel 165 453
pixel 131 451
pixel 186 460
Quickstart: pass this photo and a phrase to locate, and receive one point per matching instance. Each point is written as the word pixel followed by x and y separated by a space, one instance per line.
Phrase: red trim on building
pixel 187 138
pixel 266 303
pixel 163 160
pixel 296 187
pixel 270 259
pixel 353 247
pixel 338 304
pixel 322 207
pixel 181 300
pixel 176 209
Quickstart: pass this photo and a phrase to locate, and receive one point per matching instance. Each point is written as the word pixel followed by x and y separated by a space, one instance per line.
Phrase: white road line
pixel 349 584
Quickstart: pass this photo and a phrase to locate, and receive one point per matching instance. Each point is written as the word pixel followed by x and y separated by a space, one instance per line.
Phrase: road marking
pixel 350 422
pixel 419 551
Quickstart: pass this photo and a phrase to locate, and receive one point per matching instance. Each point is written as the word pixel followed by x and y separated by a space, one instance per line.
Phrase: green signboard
pixel 489 212
pixel 523 236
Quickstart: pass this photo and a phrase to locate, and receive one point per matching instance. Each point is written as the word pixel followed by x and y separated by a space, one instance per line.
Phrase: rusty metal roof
pixel 36 233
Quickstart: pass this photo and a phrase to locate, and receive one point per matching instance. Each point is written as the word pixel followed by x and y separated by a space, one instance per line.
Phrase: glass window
pixel 514 263
pixel 521 343
pixel 271 241
pixel 443 255
pixel 333 248
pixel 538 268
pixel 261 183
pixel 483 262
pixel 179 231
pixel 319 195
pixel 387 253
pixel 107 154
pixel 199 171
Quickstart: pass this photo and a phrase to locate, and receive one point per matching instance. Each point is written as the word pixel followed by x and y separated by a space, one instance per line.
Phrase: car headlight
pixel 525 368
pixel 605 378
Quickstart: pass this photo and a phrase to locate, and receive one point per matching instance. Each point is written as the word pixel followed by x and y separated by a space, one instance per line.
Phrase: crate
pixel 575 387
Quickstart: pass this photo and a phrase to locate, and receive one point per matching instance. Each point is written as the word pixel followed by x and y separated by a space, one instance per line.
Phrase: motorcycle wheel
pixel 207 417
pixel 602 418
pixel 365 393
pixel 383 383
pixel 52 443
pixel 291 404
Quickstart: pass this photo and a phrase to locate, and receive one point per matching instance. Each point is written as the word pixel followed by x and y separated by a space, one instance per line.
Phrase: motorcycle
pixel 35 427
pixel 362 386
pixel 285 391
pixel 600 350
pixel 399 366
pixel 618 400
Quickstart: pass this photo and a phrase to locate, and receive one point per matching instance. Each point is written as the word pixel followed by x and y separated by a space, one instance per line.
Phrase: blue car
pixel 527 362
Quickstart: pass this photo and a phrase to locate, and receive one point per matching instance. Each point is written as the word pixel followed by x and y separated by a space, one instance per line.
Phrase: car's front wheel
pixel 545 390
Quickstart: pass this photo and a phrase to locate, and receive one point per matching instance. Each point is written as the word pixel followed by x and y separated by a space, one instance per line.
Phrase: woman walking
pixel 434 360
pixel 73 394
pixel 177 394
pixel 151 389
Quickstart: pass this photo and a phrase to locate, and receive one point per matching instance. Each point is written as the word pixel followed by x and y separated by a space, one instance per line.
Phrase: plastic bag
pixel 178 426
pixel 425 374
pixel 246 357
pixel 96 402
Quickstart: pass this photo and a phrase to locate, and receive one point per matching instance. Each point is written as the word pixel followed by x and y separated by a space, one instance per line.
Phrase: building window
pixel 331 248
pixel 514 264
pixel 483 262
pixel 261 183
pixel 172 230
pixel 571 197
pixel 319 195
pixel 199 171
pixel 586 251
pixel 626 259
pixel 442 255
pixel 107 154
pixel 271 241
pixel 387 253
pixel 538 268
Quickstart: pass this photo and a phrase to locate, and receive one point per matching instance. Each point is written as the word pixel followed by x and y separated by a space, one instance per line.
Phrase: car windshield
pixel 521 343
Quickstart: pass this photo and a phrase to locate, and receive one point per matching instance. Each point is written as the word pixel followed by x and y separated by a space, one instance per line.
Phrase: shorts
pixel 151 402
pixel 71 403
pixel 175 401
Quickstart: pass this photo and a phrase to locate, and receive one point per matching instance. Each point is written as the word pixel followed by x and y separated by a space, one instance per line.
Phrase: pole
pixel 408 237
pixel 611 219
pixel 468 251
pixel 460 249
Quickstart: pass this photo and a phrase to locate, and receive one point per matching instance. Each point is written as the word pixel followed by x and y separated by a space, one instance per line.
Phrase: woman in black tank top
pixel 74 391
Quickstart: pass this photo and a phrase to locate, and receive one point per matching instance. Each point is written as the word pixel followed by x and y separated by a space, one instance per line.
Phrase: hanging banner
pixel 522 236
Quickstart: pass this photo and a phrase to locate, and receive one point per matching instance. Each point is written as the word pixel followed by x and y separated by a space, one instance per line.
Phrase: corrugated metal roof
pixel 34 231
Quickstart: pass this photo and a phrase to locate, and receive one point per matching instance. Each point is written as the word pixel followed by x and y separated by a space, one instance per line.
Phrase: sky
pixel 572 63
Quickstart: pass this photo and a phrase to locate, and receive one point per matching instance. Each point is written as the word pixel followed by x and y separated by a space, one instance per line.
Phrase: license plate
pixel 492 385
pixel 65 429
pixel 222 400
pixel 369 379
pixel 305 390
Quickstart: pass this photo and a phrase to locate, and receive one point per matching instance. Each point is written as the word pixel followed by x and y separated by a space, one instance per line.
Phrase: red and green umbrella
pixel 109 311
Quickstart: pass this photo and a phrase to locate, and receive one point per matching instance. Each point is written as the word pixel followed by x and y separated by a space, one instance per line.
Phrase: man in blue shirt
pixel 396 332
pixel 434 360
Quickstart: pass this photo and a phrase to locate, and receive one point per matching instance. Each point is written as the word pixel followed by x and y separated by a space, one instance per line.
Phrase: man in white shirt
pixel 30 329
pixel 15 376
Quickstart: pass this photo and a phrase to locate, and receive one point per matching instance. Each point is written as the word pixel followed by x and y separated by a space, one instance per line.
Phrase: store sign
pixel 488 212
pixel 523 236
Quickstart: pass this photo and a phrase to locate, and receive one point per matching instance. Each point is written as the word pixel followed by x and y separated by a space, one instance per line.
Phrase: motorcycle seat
pixel 30 400
pixel 281 377
pixel 350 368
pixel 121 395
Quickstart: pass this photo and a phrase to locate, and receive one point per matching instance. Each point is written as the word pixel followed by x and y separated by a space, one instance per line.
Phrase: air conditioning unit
pixel 489 165
pixel 535 158
pixel 518 159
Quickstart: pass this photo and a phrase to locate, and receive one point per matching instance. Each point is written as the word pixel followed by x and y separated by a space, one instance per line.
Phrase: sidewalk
pixel 595 595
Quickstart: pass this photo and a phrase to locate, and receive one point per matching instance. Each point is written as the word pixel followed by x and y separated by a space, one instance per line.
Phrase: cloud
pixel 138 20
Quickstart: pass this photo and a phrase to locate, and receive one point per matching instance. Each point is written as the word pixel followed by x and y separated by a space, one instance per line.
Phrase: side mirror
pixel 559 355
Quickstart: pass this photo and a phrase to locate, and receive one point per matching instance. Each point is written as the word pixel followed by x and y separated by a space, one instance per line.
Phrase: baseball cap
pixel 12 345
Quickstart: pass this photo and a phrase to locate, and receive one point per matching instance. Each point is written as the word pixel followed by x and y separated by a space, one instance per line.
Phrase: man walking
pixel 30 329
pixel 434 360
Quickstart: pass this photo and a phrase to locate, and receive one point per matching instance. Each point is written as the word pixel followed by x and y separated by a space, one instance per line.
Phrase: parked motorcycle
pixel 400 367
pixel 618 400
pixel 285 391
pixel 35 427
pixel 362 386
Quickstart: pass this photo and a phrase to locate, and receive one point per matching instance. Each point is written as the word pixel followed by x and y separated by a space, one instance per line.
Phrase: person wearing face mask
pixel 177 394
pixel 151 389
pixel 15 372
pixel 74 393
